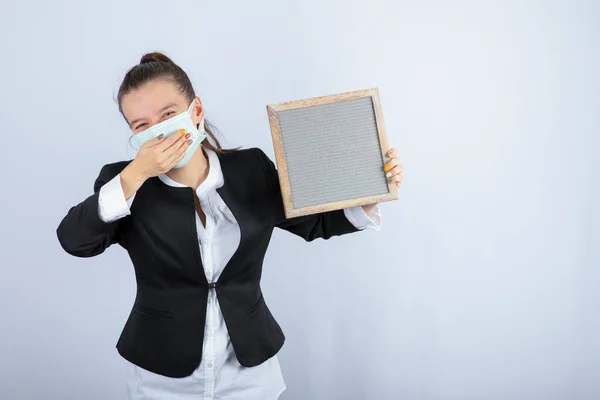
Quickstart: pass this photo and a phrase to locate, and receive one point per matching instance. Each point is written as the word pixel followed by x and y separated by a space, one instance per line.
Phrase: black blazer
pixel 165 329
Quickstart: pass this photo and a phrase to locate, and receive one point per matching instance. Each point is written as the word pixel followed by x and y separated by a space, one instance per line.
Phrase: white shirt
pixel 219 375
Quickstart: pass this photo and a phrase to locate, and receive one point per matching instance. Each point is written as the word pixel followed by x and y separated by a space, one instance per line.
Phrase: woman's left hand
pixel 393 172
pixel 393 168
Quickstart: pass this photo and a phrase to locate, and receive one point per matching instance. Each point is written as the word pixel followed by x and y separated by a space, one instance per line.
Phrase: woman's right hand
pixel 160 155
pixel 155 157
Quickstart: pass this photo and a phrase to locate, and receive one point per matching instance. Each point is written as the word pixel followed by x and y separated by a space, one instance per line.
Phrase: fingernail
pixel 160 136
pixel 389 180
pixel 187 135
pixel 182 131
pixel 190 141
pixel 386 168
pixel 388 174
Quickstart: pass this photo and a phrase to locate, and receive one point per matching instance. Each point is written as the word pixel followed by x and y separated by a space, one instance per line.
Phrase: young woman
pixel 196 221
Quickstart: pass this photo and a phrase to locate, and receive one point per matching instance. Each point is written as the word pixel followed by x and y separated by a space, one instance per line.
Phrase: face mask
pixel 171 126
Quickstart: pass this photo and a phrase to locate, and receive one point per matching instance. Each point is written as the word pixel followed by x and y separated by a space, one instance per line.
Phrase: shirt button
pixel 209 365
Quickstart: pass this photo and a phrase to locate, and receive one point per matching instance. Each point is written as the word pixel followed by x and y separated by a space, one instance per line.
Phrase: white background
pixel 483 283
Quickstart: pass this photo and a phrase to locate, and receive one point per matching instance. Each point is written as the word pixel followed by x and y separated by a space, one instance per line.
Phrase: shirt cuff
pixel 362 220
pixel 112 204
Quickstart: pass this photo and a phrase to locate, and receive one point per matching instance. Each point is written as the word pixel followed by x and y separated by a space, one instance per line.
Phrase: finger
pixel 391 153
pixel 170 161
pixel 397 170
pixel 183 138
pixel 165 156
pixel 391 164
pixel 177 158
pixel 173 148
pixel 396 179
pixel 153 142
pixel 168 142
pixel 180 152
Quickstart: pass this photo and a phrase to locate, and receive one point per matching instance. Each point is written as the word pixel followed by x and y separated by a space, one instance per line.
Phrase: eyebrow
pixel 135 121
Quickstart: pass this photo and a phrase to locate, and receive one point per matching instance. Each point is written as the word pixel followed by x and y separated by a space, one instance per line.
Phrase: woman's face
pixel 155 102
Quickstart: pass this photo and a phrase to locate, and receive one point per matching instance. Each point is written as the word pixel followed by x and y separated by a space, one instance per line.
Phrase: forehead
pixel 150 98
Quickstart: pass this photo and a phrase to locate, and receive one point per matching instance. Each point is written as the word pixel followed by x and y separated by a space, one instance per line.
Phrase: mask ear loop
pixel 191 107
pixel 131 144
pixel 130 149
pixel 202 132
pixel 200 126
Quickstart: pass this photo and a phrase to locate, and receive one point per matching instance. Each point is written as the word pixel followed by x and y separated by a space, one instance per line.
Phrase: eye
pixel 166 115
pixel 140 126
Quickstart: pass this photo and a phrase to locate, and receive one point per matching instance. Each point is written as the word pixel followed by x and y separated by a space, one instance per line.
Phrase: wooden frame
pixel 274 109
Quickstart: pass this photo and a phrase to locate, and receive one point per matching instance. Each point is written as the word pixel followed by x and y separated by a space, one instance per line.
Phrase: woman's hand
pixel 160 155
pixel 393 172
pixel 393 168
pixel 155 157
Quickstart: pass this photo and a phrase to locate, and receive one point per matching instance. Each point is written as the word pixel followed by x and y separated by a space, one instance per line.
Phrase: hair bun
pixel 155 57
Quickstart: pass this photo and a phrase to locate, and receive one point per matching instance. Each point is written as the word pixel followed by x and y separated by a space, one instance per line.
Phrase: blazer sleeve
pixel 81 232
pixel 309 227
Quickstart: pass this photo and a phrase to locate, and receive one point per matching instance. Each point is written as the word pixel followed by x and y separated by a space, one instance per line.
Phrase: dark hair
pixel 154 66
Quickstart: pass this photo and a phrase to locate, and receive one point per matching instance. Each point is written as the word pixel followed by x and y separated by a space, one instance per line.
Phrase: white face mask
pixel 174 125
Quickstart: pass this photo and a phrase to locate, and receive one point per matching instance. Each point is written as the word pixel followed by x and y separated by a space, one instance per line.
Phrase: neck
pixel 194 172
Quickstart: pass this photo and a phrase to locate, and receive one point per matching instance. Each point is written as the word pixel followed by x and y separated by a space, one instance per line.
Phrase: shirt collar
pixel 213 180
